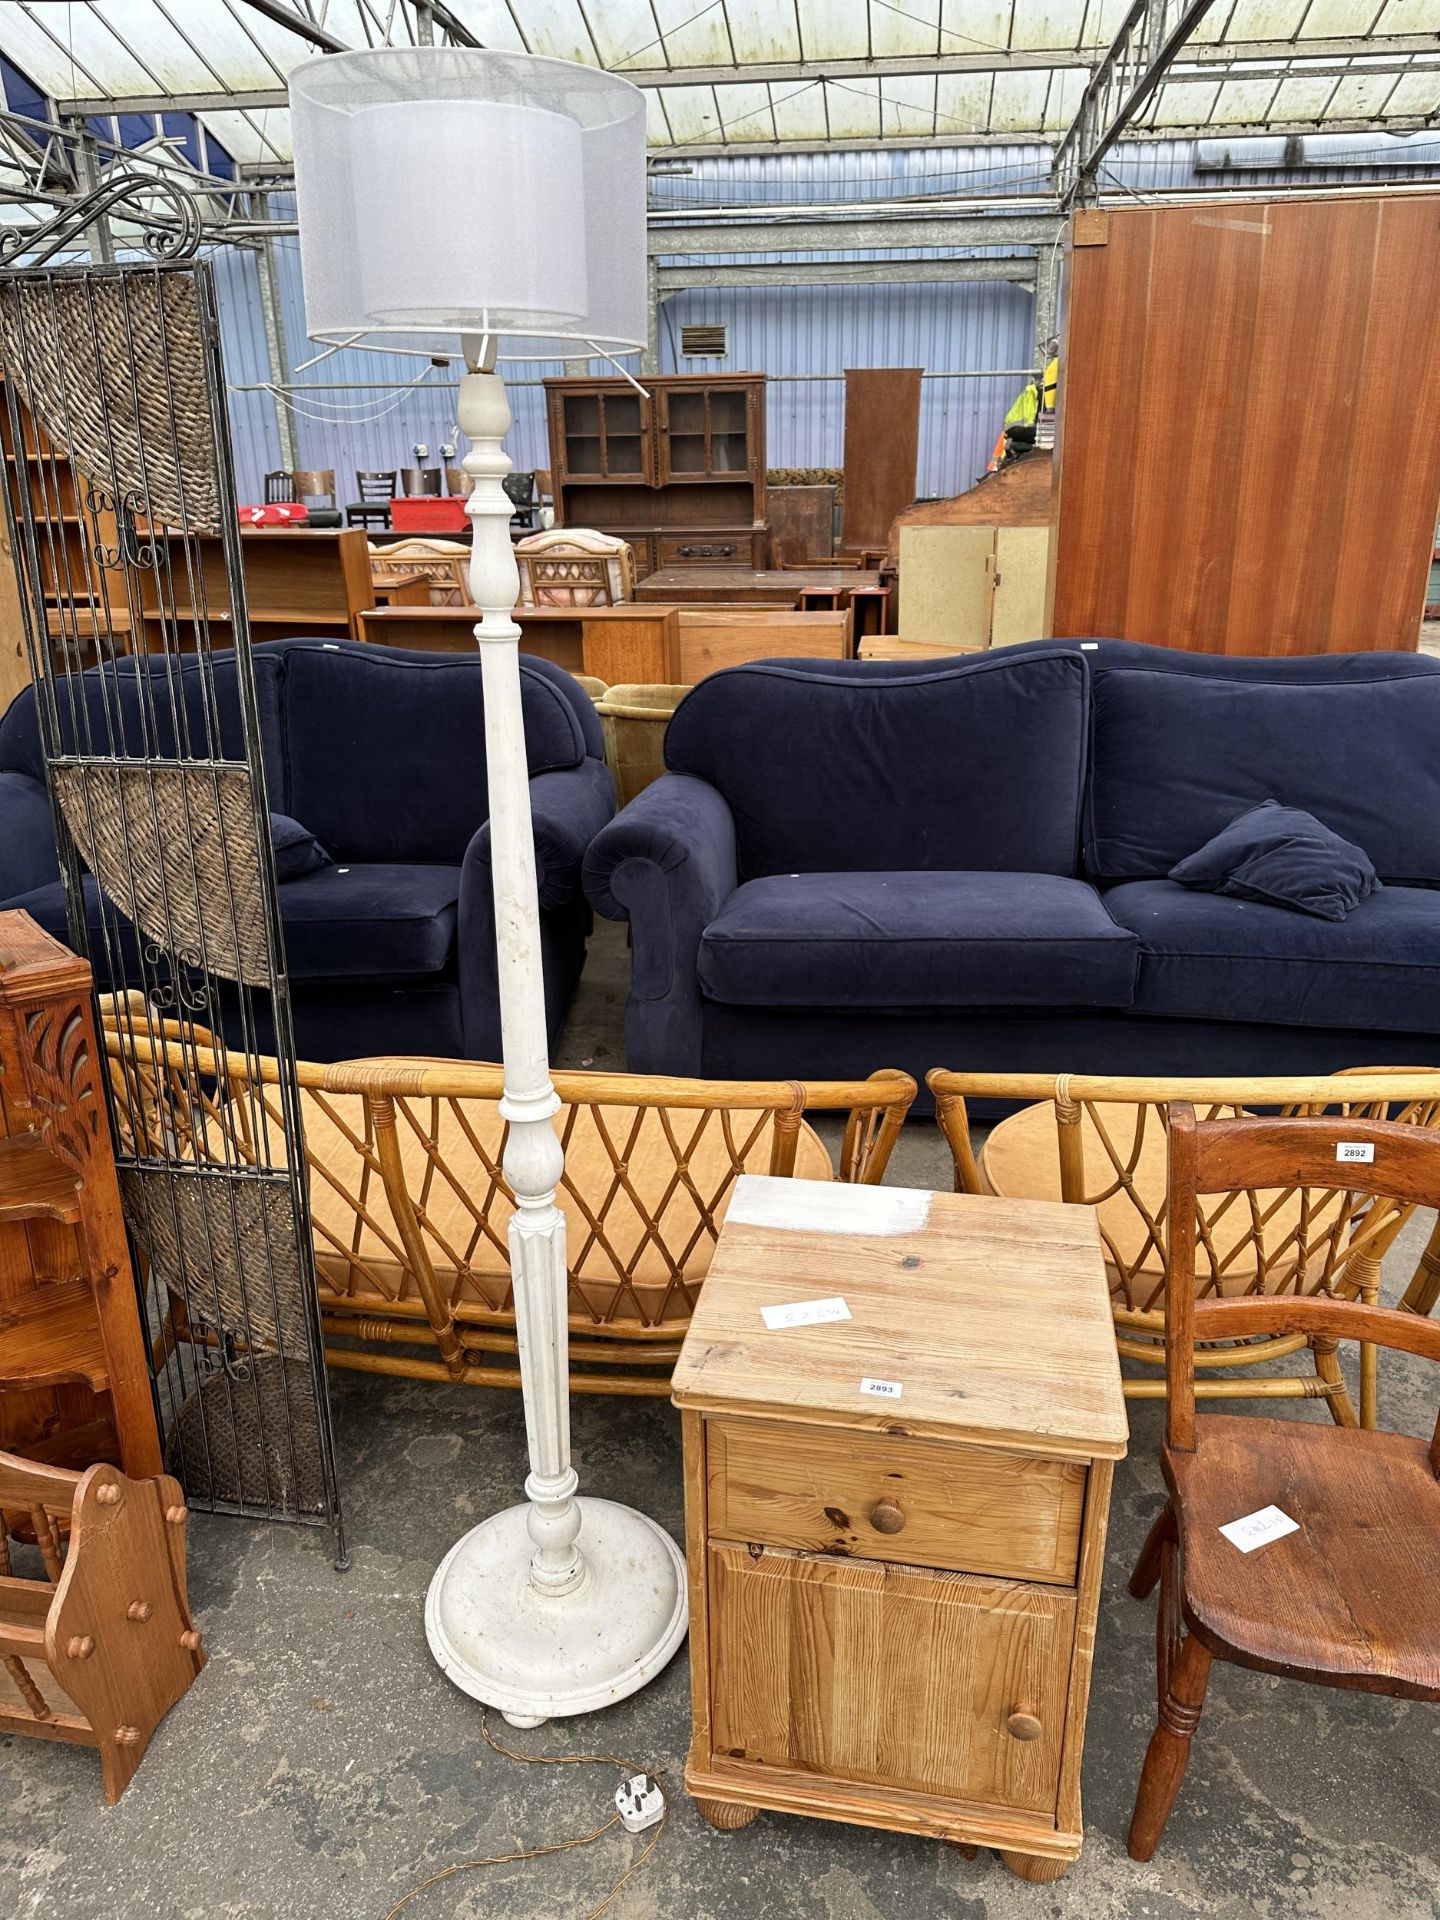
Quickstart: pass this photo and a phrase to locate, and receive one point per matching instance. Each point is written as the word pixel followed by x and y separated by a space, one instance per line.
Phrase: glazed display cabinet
pixel 678 471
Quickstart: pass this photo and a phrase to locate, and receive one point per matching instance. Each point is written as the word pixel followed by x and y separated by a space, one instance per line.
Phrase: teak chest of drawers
pixel 896 1520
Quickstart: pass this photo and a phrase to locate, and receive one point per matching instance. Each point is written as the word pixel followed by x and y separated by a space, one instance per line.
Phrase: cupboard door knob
pixel 887 1516
pixel 1023 1724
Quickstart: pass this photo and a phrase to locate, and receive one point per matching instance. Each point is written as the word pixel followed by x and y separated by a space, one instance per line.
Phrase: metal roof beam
pixel 1150 39
pixel 849 273
pixel 885 66
pixel 308 29
pixel 931 229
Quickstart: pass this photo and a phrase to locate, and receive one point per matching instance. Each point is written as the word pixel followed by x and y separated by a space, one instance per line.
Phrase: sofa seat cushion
pixel 1205 957
pixel 916 939
pixel 365 922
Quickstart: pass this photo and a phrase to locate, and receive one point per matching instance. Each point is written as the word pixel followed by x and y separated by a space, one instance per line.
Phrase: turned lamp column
pixel 534 1161
pixel 563 1603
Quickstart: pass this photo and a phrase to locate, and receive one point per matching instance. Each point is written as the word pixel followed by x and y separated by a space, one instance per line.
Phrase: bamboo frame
pixel 409 1200
pixel 1292 1240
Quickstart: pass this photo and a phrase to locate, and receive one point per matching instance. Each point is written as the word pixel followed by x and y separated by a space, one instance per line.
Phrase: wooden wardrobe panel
pixel 1243 460
pixel 882 447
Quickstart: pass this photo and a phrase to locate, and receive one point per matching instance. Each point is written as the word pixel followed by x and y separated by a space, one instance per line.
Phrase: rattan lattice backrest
pixel 1111 1145
pixel 408 1194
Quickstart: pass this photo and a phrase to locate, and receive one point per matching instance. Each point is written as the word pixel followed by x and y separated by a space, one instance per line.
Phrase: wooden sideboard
pixel 630 645
pixel 895 1519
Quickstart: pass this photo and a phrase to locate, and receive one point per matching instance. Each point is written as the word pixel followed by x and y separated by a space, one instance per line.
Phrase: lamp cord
pixel 557 1846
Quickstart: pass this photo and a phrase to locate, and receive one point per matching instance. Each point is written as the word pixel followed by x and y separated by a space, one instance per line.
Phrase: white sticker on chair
pixel 1355 1150
pixel 826 1206
pixel 882 1389
pixel 805 1313
pixel 1259 1529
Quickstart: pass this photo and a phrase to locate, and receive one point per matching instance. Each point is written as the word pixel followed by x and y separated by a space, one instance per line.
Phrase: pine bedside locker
pixel 896 1512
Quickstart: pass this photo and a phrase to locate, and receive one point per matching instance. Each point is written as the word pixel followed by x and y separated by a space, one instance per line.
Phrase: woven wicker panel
pixel 225 1245
pixel 175 848
pixel 113 369
pixel 249 1437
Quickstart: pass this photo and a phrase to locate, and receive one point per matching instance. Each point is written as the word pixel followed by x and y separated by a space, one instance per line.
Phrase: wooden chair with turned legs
pixel 1351 1598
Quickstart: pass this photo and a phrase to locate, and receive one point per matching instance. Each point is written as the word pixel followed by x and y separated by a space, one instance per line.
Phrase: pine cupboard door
pixel 938 1683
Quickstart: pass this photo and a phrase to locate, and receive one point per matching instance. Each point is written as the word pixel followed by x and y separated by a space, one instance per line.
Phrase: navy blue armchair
pixel 966 863
pixel 379 754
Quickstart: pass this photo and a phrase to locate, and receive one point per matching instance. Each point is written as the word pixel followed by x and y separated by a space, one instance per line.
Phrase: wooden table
pixel 743 586
pixel 896 1520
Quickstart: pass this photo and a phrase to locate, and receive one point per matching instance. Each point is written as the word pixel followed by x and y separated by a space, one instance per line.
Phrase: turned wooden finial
pixel 139 1611
pixel 80 1646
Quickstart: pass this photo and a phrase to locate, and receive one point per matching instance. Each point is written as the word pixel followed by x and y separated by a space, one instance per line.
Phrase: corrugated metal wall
pixel 982 328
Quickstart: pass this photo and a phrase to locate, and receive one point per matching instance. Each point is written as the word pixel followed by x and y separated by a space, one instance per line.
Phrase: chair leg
pixel 1327 1367
pixel 1147 1567
pixel 1168 1754
pixel 1424 1288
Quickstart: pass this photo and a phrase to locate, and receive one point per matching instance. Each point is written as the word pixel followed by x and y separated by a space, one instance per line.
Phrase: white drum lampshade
pixel 448 190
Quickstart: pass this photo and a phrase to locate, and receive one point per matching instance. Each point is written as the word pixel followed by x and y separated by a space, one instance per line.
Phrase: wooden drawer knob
pixel 887 1516
pixel 1023 1724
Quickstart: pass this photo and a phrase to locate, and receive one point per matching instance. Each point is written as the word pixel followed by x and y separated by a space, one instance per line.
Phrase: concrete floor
pixel 322 1766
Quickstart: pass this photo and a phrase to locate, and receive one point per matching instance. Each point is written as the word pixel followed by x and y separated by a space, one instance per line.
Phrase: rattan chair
pixel 410 1207
pixel 1101 1142
pixel 444 563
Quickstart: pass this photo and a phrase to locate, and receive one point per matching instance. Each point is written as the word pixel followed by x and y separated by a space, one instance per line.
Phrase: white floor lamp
pixel 501 197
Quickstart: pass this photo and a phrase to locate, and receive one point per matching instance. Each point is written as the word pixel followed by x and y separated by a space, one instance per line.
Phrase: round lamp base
pixel 536 1657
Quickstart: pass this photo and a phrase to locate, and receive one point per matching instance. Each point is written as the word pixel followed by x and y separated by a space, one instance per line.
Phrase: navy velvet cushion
pixel 917 940
pixel 385 749
pixel 27 836
pixel 297 851
pixel 1204 957
pixel 1282 857
pixel 864 766
pixel 357 922
pixel 134 706
pixel 1182 743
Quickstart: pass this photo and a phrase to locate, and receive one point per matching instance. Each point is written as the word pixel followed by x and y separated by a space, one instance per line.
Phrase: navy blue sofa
pixel 380 753
pixel 857 864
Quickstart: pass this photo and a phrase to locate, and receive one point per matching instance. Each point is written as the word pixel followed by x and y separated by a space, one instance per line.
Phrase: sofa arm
pixel 667 865
pixel 567 809
pixel 28 859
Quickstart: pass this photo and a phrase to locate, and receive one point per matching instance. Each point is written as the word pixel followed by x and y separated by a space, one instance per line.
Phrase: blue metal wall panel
pixel 979 327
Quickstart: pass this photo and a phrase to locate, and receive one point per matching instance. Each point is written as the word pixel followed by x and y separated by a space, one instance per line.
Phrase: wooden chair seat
pixel 1353 1598
pixel 1020 1161
pixel 627 1232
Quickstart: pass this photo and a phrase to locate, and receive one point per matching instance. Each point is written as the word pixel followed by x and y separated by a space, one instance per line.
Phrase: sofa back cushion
pixel 385 749
pixel 152 706
pixel 1182 743
pixel 860 766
